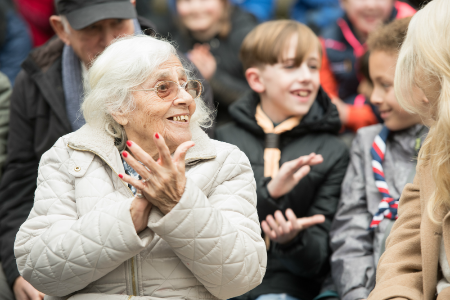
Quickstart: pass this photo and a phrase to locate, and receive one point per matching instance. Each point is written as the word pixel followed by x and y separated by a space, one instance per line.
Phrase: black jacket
pixel 37 119
pixel 228 83
pixel 299 267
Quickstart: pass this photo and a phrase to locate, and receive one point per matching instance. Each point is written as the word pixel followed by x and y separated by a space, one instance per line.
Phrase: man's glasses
pixel 169 90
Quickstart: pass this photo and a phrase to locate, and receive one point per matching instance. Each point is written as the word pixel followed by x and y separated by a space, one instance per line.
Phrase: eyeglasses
pixel 169 90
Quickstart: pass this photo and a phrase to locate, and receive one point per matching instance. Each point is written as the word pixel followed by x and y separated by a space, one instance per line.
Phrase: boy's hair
pixel 267 43
pixel 390 37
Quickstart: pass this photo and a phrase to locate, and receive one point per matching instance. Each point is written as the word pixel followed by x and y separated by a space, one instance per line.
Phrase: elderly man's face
pixel 153 114
pixel 92 40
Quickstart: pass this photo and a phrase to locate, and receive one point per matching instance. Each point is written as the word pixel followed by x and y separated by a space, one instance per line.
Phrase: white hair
pixel 124 65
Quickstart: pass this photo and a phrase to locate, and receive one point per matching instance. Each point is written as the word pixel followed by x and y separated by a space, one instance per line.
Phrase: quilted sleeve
pixel 59 252
pixel 218 236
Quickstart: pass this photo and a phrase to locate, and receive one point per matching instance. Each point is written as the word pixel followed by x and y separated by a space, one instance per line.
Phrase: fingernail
pixel 121 176
pixel 157 135
pixel 125 154
pixel 129 143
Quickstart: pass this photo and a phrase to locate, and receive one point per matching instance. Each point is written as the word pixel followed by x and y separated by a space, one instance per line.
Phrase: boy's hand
pixel 290 174
pixel 283 231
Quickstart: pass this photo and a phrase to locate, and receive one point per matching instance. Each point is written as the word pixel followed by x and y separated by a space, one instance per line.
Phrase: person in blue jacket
pixel 316 14
pixel 15 41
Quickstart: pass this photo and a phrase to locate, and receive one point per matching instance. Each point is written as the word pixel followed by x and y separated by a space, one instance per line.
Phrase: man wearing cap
pixel 45 105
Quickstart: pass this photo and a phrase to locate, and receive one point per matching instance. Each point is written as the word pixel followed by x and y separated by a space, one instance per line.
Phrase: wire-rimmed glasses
pixel 169 90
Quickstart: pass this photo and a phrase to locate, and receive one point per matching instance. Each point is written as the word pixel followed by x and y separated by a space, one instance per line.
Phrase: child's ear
pixel 254 80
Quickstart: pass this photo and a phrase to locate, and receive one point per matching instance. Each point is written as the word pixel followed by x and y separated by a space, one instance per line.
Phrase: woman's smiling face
pixel 153 114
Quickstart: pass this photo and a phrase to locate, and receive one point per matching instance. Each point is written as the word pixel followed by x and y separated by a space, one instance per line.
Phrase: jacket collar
pixel 98 141
pixel 43 65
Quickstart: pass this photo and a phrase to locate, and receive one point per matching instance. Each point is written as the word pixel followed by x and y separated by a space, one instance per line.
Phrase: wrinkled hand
pixel 283 231
pixel 23 290
pixel 165 179
pixel 203 60
pixel 290 174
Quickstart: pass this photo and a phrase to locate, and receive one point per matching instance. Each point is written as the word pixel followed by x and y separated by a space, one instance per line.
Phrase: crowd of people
pixel 218 153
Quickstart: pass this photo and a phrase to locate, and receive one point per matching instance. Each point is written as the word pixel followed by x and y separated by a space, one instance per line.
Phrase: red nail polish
pixel 125 154
pixel 121 176
pixel 129 143
pixel 157 135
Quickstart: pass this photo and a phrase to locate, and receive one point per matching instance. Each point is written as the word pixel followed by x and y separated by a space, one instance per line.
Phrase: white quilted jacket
pixel 79 238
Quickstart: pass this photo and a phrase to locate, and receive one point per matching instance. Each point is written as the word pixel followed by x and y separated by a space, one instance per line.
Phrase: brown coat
pixel 409 269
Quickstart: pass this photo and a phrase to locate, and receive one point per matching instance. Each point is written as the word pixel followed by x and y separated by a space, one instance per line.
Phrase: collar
pixel 98 141
pixel 358 48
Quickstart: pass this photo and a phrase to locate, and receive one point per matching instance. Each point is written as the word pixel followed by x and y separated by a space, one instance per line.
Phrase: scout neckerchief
pixel 388 205
pixel 272 152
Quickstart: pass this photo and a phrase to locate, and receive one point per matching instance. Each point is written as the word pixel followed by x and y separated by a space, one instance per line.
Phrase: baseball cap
pixel 82 13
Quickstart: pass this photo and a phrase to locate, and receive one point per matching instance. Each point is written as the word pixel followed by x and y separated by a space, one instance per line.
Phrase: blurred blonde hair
pixel 425 53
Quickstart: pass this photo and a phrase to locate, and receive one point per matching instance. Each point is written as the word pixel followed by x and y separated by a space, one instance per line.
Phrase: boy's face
pixel 200 15
pixel 367 15
pixel 289 89
pixel 382 72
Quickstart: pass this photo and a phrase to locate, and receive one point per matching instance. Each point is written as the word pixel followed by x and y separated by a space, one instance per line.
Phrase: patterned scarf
pixel 388 205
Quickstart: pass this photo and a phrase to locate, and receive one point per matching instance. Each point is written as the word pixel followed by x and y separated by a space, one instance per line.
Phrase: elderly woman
pixel 139 201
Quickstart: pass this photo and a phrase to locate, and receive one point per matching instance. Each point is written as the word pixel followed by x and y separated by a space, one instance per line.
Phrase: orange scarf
pixel 272 153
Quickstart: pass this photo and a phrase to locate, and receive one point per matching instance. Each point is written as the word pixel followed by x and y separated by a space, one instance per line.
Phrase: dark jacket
pixel 37 119
pixel 228 83
pixel 299 267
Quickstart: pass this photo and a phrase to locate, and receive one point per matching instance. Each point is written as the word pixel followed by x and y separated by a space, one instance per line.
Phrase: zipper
pixel 133 276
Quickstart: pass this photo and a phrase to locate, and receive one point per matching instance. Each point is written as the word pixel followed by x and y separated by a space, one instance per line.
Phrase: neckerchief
pixel 388 205
pixel 272 152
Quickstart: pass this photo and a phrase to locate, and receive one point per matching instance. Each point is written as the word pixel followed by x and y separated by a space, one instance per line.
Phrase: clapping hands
pixel 282 231
pixel 203 60
pixel 290 174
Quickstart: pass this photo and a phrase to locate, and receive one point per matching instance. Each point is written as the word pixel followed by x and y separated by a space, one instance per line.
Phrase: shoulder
pixel 371 130
pixel 54 162
pixel 223 148
pixel 330 143
pixel 59 152
pixel 366 135
pixel 242 23
pixel 333 31
pixel 228 154
pixel 227 131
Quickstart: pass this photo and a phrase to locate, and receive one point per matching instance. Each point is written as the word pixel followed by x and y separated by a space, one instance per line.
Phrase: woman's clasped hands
pixel 163 181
